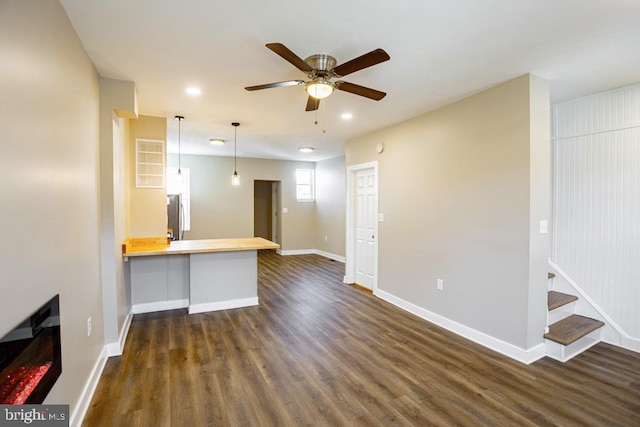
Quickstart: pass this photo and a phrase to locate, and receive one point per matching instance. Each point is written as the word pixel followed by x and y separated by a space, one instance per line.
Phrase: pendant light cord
pixel 235 178
pixel 179 119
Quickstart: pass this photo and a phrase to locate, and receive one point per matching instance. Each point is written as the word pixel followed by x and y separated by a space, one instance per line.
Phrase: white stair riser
pixel 564 353
pixel 561 312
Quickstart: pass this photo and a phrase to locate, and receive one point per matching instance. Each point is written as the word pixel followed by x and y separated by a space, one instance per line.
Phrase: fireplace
pixel 30 357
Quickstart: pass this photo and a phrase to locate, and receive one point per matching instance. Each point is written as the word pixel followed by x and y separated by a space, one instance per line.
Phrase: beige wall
pixel 147 206
pixel 220 210
pixel 49 180
pixel 330 206
pixel 456 193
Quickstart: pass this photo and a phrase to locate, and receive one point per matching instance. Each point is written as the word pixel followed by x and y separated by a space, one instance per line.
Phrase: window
pixel 181 184
pixel 304 185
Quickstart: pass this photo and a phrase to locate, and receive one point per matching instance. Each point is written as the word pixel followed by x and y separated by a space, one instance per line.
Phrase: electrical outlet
pixel 440 285
pixel 89 327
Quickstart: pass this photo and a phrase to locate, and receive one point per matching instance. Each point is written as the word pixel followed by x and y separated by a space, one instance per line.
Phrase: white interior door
pixel 365 227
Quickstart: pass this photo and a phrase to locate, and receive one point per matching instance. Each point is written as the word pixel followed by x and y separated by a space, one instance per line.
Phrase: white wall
pixel 49 183
pixel 459 202
pixel 596 200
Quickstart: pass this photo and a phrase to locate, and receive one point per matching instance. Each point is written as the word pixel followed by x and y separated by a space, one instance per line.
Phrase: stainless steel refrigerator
pixel 175 217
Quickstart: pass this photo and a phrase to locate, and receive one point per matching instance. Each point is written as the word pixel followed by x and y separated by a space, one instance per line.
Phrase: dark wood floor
pixel 318 352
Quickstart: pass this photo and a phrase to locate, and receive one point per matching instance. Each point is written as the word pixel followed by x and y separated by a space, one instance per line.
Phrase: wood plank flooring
pixel 322 353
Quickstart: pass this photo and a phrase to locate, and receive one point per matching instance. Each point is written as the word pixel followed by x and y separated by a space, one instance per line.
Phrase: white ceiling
pixel 441 51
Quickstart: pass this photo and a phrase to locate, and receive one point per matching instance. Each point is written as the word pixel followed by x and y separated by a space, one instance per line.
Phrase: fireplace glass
pixel 30 357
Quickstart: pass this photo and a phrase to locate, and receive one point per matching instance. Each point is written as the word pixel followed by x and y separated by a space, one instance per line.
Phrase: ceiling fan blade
pixel 278 84
pixel 367 60
pixel 294 59
pixel 360 90
pixel 312 104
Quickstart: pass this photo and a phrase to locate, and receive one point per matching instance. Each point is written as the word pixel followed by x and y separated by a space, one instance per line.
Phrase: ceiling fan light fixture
pixel 319 88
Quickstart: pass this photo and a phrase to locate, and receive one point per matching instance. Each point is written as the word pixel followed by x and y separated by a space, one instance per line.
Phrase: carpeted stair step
pixel 558 299
pixel 572 328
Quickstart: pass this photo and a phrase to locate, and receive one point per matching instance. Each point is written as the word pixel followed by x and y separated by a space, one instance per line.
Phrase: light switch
pixel 543 226
pixel 285 210
pixel 380 217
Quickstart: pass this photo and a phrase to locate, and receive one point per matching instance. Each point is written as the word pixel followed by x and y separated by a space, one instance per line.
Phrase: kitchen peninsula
pixel 203 275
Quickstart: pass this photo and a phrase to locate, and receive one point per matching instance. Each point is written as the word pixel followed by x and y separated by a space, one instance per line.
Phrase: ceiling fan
pixel 321 68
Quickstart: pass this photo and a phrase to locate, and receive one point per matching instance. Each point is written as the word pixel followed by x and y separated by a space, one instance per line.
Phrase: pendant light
pixel 235 178
pixel 179 119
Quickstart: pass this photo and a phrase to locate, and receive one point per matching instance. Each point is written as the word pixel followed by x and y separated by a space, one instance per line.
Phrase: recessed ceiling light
pixel 216 141
pixel 305 149
pixel 192 90
pixel 347 116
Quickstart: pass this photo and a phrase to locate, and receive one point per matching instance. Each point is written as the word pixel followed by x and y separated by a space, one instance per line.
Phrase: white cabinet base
pixel 202 282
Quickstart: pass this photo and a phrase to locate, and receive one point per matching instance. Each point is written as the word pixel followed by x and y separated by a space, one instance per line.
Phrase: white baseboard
pixel 82 405
pixel 297 252
pixel 521 355
pixel 627 343
pixel 159 306
pixel 116 348
pixel 331 256
pixel 223 305
pixel 311 252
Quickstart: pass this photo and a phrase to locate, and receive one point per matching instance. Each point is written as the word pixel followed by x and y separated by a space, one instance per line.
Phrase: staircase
pixel 569 334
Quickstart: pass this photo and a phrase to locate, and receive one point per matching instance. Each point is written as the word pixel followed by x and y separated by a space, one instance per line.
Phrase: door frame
pixel 350 266
pixel 275 219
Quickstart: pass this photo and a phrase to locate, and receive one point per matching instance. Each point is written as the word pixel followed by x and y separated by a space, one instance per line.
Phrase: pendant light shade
pixel 235 178
pixel 179 119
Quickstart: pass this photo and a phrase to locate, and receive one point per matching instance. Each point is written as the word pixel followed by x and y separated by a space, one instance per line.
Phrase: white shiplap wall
pixel 596 200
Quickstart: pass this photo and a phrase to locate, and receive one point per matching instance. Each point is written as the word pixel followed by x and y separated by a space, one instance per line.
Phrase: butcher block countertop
pixel 178 247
